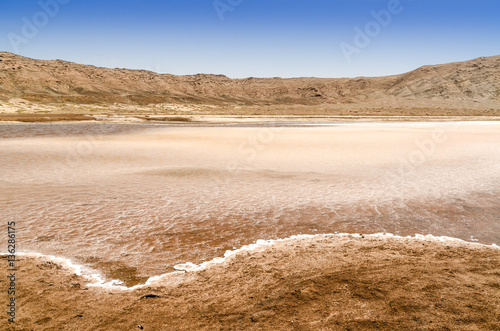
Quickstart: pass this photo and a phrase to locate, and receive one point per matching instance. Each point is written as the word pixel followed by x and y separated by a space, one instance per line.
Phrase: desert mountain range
pixel 473 84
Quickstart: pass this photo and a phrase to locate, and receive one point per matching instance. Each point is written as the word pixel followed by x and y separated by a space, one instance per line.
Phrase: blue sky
pixel 262 38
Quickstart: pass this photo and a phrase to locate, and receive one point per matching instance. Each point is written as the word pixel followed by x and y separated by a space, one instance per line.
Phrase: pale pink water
pixel 134 200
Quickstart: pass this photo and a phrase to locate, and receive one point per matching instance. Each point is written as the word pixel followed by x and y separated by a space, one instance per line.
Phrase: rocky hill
pixel 462 84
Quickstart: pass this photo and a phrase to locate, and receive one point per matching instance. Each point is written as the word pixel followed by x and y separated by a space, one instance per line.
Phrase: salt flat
pixel 133 201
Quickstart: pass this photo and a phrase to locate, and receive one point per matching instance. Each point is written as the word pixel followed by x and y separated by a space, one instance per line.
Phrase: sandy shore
pixel 214 119
pixel 266 119
pixel 317 283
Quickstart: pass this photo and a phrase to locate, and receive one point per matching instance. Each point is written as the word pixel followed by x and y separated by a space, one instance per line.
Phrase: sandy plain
pixel 320 283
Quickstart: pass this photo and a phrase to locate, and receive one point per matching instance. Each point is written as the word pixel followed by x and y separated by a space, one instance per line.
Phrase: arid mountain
pixel 462 84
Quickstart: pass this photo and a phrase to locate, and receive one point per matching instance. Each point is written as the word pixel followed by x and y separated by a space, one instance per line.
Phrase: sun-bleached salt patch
pixel 97 280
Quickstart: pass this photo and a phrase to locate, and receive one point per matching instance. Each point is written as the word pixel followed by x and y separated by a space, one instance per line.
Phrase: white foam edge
pixel 97 280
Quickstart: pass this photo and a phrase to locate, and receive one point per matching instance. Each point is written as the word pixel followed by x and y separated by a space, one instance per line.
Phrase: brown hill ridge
pixel 472 84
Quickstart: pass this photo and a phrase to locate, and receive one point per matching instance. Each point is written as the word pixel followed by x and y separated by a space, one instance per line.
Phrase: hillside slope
pixel 475 82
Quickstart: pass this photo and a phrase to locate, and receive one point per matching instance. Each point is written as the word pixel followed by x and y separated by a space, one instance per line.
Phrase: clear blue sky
pixel 262 38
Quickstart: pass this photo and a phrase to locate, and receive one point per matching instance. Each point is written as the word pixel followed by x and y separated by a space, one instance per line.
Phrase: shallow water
pixel 134 200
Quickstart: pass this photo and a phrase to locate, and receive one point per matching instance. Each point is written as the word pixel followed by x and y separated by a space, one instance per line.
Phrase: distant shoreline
pixel 197 120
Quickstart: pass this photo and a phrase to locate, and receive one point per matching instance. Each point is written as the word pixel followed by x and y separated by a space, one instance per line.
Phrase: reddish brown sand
pixel 320 283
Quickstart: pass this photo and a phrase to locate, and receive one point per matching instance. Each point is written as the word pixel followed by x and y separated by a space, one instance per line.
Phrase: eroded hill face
pixel 472 84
